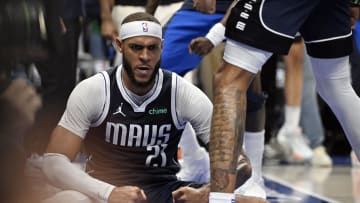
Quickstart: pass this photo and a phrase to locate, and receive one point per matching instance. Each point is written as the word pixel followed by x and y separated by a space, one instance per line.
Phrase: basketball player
pixel 255 30
pixel 112 13
pixel 129 119
pixel 254 135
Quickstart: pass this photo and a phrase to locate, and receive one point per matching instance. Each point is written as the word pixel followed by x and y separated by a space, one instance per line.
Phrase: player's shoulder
pixel 95 80
pixel 172 74
pixel 93 84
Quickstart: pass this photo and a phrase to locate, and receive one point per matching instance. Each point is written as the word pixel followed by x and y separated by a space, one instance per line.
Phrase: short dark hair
pixel 139 16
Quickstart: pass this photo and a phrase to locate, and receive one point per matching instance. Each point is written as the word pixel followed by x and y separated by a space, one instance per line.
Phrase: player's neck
pixel 136 88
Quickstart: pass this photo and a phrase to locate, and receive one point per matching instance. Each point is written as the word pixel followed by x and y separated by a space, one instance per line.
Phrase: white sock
pixel 292 116
pixel 254 149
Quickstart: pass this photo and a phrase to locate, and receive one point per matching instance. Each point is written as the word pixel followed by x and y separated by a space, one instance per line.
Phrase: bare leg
pixel 294 74
pixel 290 137
pixel 228 123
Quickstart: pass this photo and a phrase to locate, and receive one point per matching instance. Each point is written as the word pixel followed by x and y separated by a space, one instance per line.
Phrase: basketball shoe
pixel 293 145
pixel 354 160
pixel 321 157
pixel 254 187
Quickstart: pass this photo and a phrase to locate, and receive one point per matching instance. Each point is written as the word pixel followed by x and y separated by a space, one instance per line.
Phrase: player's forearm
pixel 63 174
pixel 105 9
pixel 151 6
pixel 228 11
pixel 226 138
pixel 217 33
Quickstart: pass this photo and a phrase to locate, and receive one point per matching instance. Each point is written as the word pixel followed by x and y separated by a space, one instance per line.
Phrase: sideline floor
pixel 307 184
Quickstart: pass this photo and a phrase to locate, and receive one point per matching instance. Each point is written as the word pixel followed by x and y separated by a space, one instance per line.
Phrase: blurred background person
pixel 290 137
pixel 19 103
pixel 57 74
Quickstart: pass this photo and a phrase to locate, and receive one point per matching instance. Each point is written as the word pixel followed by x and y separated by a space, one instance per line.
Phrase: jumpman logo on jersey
pixel 119 111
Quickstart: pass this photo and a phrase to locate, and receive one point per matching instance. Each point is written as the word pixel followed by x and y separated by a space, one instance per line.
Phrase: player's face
pixel 141 59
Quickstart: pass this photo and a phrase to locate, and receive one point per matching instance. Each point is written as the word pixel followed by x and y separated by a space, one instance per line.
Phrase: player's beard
pixel 130 73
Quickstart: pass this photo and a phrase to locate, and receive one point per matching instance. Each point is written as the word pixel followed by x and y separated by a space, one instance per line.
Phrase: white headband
pixel 140 28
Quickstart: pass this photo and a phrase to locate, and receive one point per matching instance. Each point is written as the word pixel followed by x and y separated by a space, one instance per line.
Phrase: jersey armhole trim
pixel 106 105
pixel 179 124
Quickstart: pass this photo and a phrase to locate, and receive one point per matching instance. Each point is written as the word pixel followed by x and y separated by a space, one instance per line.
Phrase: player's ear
pixel 118 43
pixel 162 43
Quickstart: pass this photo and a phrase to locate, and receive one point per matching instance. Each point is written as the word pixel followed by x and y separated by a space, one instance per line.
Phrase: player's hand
pixel 191 195
pixel 205 6
pixel 200 46
pixel 108 29
pixel 127 194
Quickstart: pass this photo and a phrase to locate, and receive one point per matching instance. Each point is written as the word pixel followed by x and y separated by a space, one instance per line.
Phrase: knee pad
pixel 255 101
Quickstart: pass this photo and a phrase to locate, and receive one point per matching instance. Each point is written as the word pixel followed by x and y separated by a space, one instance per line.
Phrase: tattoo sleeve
pixel 226 137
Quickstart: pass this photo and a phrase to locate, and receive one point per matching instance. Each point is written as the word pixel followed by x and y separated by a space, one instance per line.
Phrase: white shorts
pixel 244 56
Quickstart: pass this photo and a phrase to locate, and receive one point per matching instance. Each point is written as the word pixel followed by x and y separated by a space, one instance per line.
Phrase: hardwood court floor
pixel 307 184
